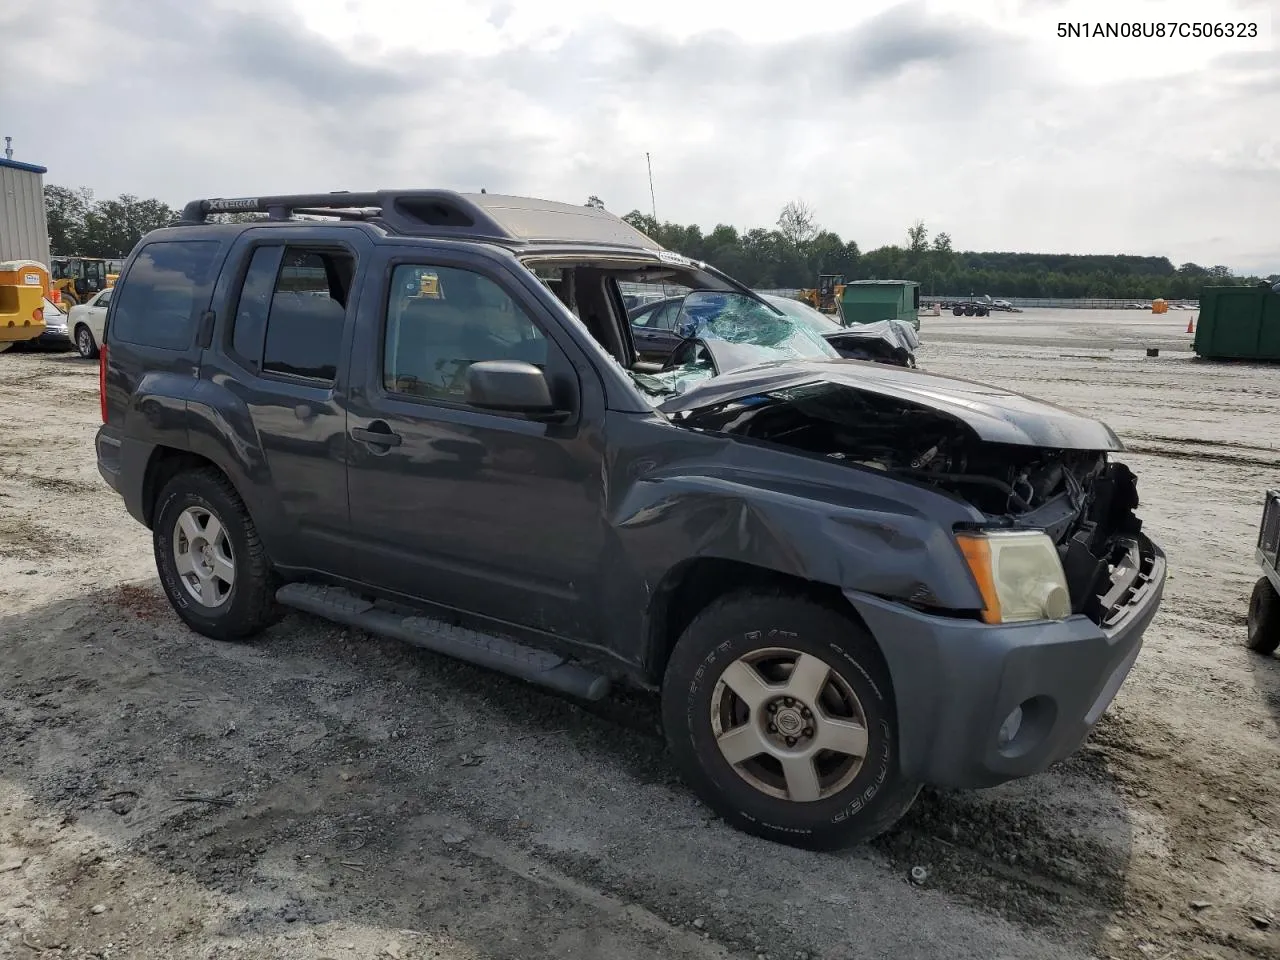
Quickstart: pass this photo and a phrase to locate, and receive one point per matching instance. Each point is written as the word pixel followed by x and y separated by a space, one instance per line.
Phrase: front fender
pixel 852 528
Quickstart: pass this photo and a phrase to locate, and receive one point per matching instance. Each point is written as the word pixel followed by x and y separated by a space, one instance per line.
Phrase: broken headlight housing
pixel 1018 573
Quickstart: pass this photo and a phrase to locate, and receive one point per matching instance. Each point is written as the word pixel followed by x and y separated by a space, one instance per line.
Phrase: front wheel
pixel 85 345
pixel 211 563
pixel 1264 618
pixel 779 714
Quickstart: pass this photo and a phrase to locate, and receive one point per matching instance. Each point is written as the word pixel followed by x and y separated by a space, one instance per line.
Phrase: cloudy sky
pixel 972 115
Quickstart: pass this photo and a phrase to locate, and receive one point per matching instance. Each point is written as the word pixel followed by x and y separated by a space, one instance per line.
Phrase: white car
pixel 86 322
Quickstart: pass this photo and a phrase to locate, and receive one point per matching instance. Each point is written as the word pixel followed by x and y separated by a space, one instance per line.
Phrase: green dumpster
pixel 867 301
pixel 1239 323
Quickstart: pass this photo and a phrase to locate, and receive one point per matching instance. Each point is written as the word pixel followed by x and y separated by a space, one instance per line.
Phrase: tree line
pixel 791 254
pixel 81 224
pixel 798 249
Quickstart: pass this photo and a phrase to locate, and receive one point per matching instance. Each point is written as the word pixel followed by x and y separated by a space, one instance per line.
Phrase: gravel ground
pixel 324 794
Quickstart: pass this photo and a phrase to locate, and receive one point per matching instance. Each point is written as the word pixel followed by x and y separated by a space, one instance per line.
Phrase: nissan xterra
pixel 419 413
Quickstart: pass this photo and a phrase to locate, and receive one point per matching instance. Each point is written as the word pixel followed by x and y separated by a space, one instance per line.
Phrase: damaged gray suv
pixel 421 414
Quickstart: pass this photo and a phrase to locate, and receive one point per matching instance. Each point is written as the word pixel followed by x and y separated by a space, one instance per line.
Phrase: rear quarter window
pixel 158 302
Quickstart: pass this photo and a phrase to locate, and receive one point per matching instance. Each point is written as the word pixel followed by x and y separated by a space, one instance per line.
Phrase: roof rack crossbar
pixel 408 212
pixel 344 213
pixel 198 211
pixel 484 217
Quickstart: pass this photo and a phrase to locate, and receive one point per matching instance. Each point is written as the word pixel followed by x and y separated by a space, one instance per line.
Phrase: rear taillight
pixel 102 381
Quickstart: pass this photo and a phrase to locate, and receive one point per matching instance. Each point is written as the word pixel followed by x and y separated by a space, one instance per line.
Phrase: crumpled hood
pixel 896 333
pixel 994 414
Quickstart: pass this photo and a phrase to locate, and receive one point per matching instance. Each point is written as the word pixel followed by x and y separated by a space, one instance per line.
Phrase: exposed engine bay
pixel 1081 500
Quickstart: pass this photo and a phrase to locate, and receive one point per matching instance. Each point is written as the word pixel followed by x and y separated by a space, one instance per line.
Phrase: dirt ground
pixel 324 794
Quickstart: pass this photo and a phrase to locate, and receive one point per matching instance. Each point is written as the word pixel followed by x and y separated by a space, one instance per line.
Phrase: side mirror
pixel 511 386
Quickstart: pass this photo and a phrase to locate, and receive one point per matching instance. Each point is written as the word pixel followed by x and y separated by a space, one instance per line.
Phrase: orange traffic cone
pixel 1191 324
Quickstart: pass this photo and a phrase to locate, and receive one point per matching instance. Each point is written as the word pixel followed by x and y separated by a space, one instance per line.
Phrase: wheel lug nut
pixel 791 741
pixel 773 708
pixel 773 728
pixel 808 731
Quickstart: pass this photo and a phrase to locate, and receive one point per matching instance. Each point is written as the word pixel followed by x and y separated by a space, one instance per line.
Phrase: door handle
pixel 377 434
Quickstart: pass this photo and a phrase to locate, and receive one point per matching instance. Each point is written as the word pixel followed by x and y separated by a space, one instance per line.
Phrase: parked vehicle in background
pixel 842 579
pixel 654 328
pixel 1264 604
pixel 77 279
pixel 22 287
pixel 970 308
pixel 57 335
pixel 87 321
pixel 974 306
pixel 637 301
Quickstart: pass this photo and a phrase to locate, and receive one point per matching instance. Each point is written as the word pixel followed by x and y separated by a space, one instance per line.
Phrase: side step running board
pixel 483 649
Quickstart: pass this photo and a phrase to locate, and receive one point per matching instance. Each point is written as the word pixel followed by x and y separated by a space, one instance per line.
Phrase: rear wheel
pixel 86 346
pixel 211 563
pixel 1264 618
pixel 779 714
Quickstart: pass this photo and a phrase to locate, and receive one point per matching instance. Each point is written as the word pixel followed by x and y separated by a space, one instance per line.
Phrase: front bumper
pixel 50 339
pixel 56 338
pixel 956 681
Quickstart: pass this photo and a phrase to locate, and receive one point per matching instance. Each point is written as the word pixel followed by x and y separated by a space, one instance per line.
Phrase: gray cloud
pixel 262 50
pixel 911 114
pixel 905 35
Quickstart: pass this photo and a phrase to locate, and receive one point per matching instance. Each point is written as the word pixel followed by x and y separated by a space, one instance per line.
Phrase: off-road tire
pixel 736 624
pixel 81 331
pixel 250 606
pixel 1264 618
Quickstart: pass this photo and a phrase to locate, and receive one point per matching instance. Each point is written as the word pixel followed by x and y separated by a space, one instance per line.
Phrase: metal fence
pixel 1063 303
pixel 653 291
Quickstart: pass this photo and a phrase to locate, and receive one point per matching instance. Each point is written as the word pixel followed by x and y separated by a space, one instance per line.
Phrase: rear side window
pixel 292 311
pixel 255 302
pixel 157 304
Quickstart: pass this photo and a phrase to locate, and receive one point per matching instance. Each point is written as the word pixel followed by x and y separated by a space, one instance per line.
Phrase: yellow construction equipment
pixel 73 280
pixel 826 296
pixel 22 287
pixel 429 285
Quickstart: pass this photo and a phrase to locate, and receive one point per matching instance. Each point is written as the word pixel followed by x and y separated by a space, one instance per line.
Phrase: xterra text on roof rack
pixel 422 415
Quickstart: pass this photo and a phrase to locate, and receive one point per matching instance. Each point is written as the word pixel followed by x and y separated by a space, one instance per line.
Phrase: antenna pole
pixel 8 151
pixel 653 205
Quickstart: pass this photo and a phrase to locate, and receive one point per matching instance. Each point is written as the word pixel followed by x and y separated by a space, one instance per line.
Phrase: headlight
pixel 1018 573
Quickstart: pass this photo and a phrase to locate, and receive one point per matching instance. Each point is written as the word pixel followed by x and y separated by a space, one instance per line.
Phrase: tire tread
pixel 255 607
pixel 896 795
pixel 1264 618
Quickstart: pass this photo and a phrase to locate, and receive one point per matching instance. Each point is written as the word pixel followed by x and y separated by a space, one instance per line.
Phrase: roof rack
pixel 442 213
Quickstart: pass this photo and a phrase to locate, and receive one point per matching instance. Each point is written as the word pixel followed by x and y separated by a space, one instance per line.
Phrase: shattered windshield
pixel 730 331
pixel 817 322
pixel 736 318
